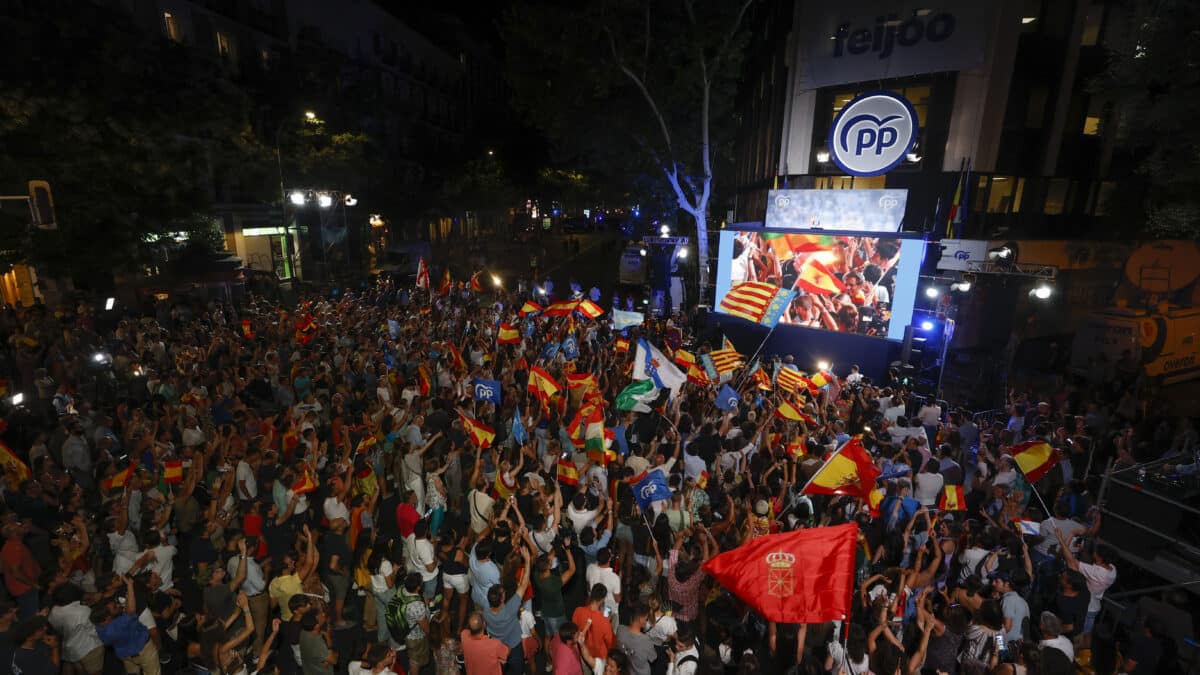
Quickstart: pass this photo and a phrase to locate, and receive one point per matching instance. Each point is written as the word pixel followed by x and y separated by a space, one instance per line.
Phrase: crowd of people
pixel 198 488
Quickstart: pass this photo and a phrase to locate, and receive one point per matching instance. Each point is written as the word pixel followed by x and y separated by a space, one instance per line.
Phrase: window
pixel 851 183
pixel 224 45
pixel 1091 25
pixel 171 27
pixel 1091 121
pixel 1056 196
pixel 1000 198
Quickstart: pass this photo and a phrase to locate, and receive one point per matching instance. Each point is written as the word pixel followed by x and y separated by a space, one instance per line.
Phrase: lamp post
pixel 310 117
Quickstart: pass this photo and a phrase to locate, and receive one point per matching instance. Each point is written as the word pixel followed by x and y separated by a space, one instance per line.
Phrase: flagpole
pixel 1033 488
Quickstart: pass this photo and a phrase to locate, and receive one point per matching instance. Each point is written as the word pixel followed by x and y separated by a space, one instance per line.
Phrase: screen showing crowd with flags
pixel 816 279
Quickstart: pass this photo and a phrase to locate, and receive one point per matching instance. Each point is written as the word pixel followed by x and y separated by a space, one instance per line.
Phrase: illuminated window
pixel 852 183
pixel 1091 126
pixel 1056 196
pixel 171 26
pixel 224 45
pixel 1000 197
pixel 1092 24
pixel 1016 203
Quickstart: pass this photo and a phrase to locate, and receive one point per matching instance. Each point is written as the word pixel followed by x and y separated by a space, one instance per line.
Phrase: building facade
pixel 1000 87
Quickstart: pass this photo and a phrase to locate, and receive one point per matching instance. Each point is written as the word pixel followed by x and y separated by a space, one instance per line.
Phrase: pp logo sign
pixel 484 392
pixel 873 133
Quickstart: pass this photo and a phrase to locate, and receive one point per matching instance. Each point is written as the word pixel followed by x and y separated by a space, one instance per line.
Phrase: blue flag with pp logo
pixel 570 348
pixel 727 398
pixel 549 350
pixel 486 390
pixel 651 488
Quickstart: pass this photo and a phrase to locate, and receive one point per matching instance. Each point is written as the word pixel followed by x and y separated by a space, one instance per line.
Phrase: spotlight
pixel 495 281
pixel 961 286
pixel 822 366
pixel 932 292
pixel 324 200
pixel 310 116
pixel 1002 253
pixel 642 252
pixel 540 290
pixel 822 156
pixel 297 197
pixel 645 302
pixel 913 157
pixel 927 325
pixel 683 254
pixel 664 230
pixel 109 304
pixel 349 200
pixel 1042 292
pixel 17 398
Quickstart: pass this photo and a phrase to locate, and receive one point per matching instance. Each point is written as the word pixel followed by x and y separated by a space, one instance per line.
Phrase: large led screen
pixel 846 283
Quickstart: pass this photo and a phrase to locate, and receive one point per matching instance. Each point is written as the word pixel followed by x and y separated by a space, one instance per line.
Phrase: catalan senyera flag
pixel 815 277
pixel 422 274
pixel 1034 458
pixel 305 483
pixel 118 480
pixel 247 329
pixel 803 576
pixel 482 434
pixel 542 385
pixel 476 286
pixel 508 335
pixel 568 473
pixel 622 345
pixel 173 471
pixel 789 379
pixel 952 499
pixel 726 360
pixel 446 284
pixel 590 309
pixel 849 471
pixel 561 308
pixel 530 307
pixel 757 301
pixel 12 464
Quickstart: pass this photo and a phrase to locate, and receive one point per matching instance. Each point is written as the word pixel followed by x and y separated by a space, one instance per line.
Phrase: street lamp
pixel 310 116
pixel 683 254
pixel 324 200
pixel 297 198
pixel 496 281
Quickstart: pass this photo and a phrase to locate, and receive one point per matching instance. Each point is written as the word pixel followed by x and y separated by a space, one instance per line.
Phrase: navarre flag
pixel 849 471
pixel 247 329
pixel 815 277
pixel 568 473
pixel 530 307
pixel 561 308
pixel 446 285
pixel 482 434
pixel 305 483
pixel 1035 459
pixel 637 396
pixel 727 398
pixel 508 335
pixel 475 283
pixel 952 499
pixel 649 363
pixel 12 464
pixel 590 309
pixel 422 274
pixel 623 319
pixel 621 345
pixel 173 471
pixel 542 385
pixel 118 479
pixel 757 301
pixel 805 576
pixel 486 390
pixel 651 487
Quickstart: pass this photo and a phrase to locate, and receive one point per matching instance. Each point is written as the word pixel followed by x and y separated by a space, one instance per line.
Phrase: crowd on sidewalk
pixel 324 488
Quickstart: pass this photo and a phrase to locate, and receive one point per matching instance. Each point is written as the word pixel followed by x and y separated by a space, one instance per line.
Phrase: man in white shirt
pixel 72 620
pixel 1059 522
pixel 1052 636
pixel 421 558
pixel 247 484
pixel 158 557
pixel 578 513
pixel 1100 575
pixel 684 655
pixel 601 572
pixel 854 377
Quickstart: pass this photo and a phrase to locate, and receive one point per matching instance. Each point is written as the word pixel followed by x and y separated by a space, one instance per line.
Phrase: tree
pixel 1154 83
pixel 661 75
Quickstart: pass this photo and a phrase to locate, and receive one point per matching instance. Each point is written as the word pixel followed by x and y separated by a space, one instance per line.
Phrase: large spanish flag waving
pixel 849 471
pixel 805 576
pixel 1035 459
pixel 815 277
pixel 542 385
pixel 508 335
pixel 482 434
pixel 953 499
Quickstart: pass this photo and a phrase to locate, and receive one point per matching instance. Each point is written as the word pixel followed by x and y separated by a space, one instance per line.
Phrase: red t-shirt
pixel 16 556
pixel 599 638
pixel 406 518
pixel 483 655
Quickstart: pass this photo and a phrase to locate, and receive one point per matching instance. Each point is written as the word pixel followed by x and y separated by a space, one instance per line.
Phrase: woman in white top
pixel 929 484
pixel 383 587
pixel 851 659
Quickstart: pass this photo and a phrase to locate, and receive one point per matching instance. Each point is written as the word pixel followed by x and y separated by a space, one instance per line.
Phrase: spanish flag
pixel 508 335
pixel 305 483
pixel 456 358
pixel 874 499
pixel 475 285
pixel 702 480
pixel 849 471
pixel 952 499
pixel 562 308
pixel 815 277
pixel 684 358
pixel 482 434
pixel 445 286
pixel 424 380
pixel 797 448
pixel 1035 459
pixel 118 479
pixel 364 446
pixel 13 464
pixel 542 385
pixel 590 309
pixel 586 381
pixel 568 473
pixel 173 472
pixel 530 307
pixel 622 346
pixel 788 411
pixel 306 329
pixel 821 380
pixel 247 329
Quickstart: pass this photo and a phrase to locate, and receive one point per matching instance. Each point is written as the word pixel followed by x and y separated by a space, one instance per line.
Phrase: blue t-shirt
pixel 125 635
pixel 505 624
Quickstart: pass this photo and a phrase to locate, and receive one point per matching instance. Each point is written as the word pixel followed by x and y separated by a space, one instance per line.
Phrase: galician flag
pixel 637 396
pixel 649 363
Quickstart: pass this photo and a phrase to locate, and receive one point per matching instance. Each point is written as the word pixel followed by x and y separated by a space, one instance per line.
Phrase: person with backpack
pixel 685 657
pixel 408 622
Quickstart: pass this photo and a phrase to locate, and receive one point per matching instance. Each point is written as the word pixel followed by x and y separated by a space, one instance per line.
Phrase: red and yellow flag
pixel 561 308
pixel 508 335
pixel 702 479
pixel 622 345
pixel 789 379
pixel 530 307
pixel 424 380
pixel 446 284
pixel 173 471
pixel 475 284
pixel 763 380
pixel 849 471
pixel 305 483
pixel 1035 459
pixel 797 448
pixel 952 499
pixel 541 385
pixel 456 358
pixel 482 434
pixel 568 473
pixel 118 479
pixel 788 411
pixel 586 381
pixel 590 309
pixel 13 464
pixel 815 277
pixel 247 329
